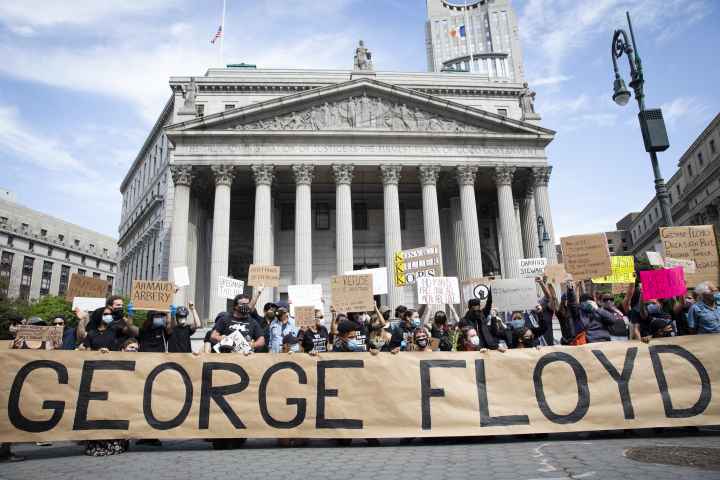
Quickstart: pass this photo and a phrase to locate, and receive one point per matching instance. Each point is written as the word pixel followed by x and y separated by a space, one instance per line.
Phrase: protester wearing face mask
pixel 443 331
pixel 290 344
pixel 421 340
pixel 681 309
pixel 361 320
pixel 619 330
pixel 315 337
pixel 155 332
pixel 183 325
pixel 239 321
pixel 476 319
pixel 402 337
pixel 346 341
pixel 662 328
pixel 127 328
pixel 595 321
pixel 104 332
pixel 379 337
pixel 269 314
pixel 279 329
pixel 704 315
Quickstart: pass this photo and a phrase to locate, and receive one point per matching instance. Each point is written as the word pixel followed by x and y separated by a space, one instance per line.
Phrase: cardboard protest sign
pixel 663 283
pixel 380 284
pixel 82 286
pixel 352 293
pixel 38 334
pixel 264 276
pixel 654 258
pixel 87 304
pixel 586 256
pixel 417 262
pixel 697 243
pixel 229 287
pixel 306 295
pixel 623 271
pixel 476 288
pixel 181 276
pixel 556 273
pixel 304 316
pixel 152 295
pixel 58 395
pixel 532 267
pixel 688 266
pixel 438 290
pixel 512 294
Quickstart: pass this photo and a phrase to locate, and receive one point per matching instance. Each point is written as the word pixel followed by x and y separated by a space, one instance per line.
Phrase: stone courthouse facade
pixel 325 171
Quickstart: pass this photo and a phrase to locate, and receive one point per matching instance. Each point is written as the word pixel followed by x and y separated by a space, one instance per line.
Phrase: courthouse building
pixel 325 171
pixel 38 252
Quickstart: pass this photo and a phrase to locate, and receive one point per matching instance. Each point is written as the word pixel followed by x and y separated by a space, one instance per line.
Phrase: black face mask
pixel 117 313
pixel 243 310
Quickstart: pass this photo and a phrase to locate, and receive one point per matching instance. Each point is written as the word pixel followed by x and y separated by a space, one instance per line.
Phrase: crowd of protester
pixel 583 317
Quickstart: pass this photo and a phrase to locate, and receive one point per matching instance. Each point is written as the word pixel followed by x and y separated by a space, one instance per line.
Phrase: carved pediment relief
pixel 362 112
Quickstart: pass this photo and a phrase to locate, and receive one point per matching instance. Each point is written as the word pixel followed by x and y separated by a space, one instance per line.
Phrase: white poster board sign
pixel 438 290
pixel 509 295
pixel 655 259
pixel 532 267
pixel 305 296
pixel 380 283
pixel 688 265
pixel 88 304
pixel 181 276
pixel 229 287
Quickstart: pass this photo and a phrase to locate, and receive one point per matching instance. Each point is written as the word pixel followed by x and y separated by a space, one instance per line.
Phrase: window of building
pixel 360 216
pixel 322 216
pixel 67 255
pixel 76 242
pixel 712 147
pixel 46 278
pixel 82 259
pixel 97 263
pixel 690 173
pixel 26 278
pixel 678 190
pixel 229 106
pixel 700 159
pixel 61 237
pixel 5 272
pixel 96 275
pixel 64 279
pixel 3 220
pixel 31 246
pixel 105 251
pixel 92 246
pixel 25 226
pixel 287 217
pixel 10 240
pixel 81 272
pixel 200 110
pixel 50 251
pixel 43 232
pixel 612 249
pixel 610 241
pixel 502 111
pixel 110 281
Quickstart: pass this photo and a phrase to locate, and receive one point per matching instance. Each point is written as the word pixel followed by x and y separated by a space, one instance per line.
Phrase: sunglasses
pixel 58 324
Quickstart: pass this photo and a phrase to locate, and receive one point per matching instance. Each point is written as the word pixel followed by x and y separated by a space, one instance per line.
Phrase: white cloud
pixel 549 80
pixel 682 107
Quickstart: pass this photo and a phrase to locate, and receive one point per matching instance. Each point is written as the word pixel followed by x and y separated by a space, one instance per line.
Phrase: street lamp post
pixel 542 235
pixel 651 121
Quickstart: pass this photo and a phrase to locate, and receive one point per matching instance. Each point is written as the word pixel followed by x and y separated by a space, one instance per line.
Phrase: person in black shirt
pixel 105 333
pixel 269 313
pixel 155 332
pixel 345 339
pixel 402 337
pixel 239 320
pixel 182 329
pixel 315 337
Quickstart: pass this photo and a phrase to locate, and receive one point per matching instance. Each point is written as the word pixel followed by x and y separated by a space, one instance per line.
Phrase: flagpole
pixel 468 45
pixel 222 35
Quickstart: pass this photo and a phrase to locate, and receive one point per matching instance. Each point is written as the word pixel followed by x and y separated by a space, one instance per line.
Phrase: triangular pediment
pixel 362 105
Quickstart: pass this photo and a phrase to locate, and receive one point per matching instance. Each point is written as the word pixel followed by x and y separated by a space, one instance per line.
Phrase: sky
pixel 82 82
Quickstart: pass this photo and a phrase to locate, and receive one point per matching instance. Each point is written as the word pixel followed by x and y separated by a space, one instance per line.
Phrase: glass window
pixel 96 275
pixel 712 147
pixel 229 106
pixel 31 245
pixel 200 110
pixel 77 242
pixel 64 279
pixel 360 216
pixel 690 173
pixel 10 240
pixel 322 216
pixel 81 272
pixel 502 111
pixel 26 278
pixel 46 278
pixel 61 237
pixel 43 232
pixel 700 158
pixel 110 281
pixel 5 272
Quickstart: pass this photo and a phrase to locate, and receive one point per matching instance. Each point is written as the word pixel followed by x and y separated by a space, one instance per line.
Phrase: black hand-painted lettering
pixel 300 402
pixel 426 390
pixel 485 419
pixel 85 395
pixel 16 417
pixel 581 380
pixel 622 380
pixel 323 393
pixel 705 386
pixel 150 417
pixel 217 394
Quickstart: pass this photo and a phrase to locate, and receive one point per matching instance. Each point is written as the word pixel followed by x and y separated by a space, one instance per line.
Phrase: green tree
pixel 11 310
pixel 50 306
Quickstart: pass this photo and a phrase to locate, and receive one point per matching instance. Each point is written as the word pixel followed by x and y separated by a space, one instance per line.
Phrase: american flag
pixel 217 35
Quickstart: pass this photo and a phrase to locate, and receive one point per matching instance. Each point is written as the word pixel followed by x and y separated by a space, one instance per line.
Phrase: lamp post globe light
pixel 652 124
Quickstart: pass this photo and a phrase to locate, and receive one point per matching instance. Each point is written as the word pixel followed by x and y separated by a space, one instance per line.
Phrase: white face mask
pixel 182 320
pixel 364 317
pixel 475 340
pixel 322 322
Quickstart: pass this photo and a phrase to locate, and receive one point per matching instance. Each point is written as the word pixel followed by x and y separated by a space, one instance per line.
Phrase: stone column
pixel 529 222
pixel 303 223
pixel 431 215
pixel 393 238
pixel 182 178
pixel 220 235
pixel 542 207
pixel 263 244
pixel 458 237
pixel 518 237
pixel 506 210
pixel 471 231
pixel 343 175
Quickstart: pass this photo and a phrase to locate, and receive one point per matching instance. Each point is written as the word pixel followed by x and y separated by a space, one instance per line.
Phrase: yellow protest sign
pixel 623 271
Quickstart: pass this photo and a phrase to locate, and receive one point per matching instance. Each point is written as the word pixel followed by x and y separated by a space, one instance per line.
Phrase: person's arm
pixel 488 303
pixel 396 340
pixel 628 298
pixel 83 318
pixel 333 323
pixel 552 297
pixel 454 314
pixel 381 319
pixel 195 317
pixel 219 326
pixel 259 337
pixel 424 313
pixel 256 296
pixel 130 329
pixel 170 323
pixel 607 318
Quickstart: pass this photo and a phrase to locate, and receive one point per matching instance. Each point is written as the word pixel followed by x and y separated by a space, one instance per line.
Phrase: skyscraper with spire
pixel 477 36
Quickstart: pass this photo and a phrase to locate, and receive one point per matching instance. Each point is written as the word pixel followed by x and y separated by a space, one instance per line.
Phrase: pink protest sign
pixel 663 283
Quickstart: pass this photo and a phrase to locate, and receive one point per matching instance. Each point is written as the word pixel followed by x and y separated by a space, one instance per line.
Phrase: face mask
pixel 475 340
pixel 270 314
pixel 182 320
pixel 117 313
pixel 107 319
pixel 416 322
pixel 243 309
pixel 422 342
pixel 353 345
pixel 322 322
pixel 295 348
pixel 517 322
pixel 653 309
pixel 158 322
pixel 364 318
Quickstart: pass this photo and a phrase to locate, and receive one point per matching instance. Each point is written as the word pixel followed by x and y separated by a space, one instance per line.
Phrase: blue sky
pixel 81 83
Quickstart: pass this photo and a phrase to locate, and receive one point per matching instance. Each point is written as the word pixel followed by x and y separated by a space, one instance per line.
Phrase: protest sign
pixel 438 290
pixel 181 276
pixel 88 304
pixel 40 333
pixel 352 293
pixel 264 276
pixel 697 243
pixel 380 286
pixel 623 271
pixel 229 287
pixel 513 294
pixel 304 316
pixel 688 266
pixel 532 267
pixel 586 256
pixel 476 288
pixel 618 288
pixel 152 295
pixel 654 258
pixel 663 283
pixel 556 273
pixel 305 296
pixel 82 286
pixel 59 395
pixel 416 262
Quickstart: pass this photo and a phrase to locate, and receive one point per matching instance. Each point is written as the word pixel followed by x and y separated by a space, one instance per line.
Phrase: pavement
pixel 596 456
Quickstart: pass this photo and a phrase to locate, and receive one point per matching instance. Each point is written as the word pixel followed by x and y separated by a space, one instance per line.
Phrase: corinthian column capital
pixel 390 174
pixel 542 175
pixel 263 174
pixel 466 174
pixel 181 175
pixel 224 174
pixel 429 174
pixel 303 174
pixel 504 175
pixel 343 173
